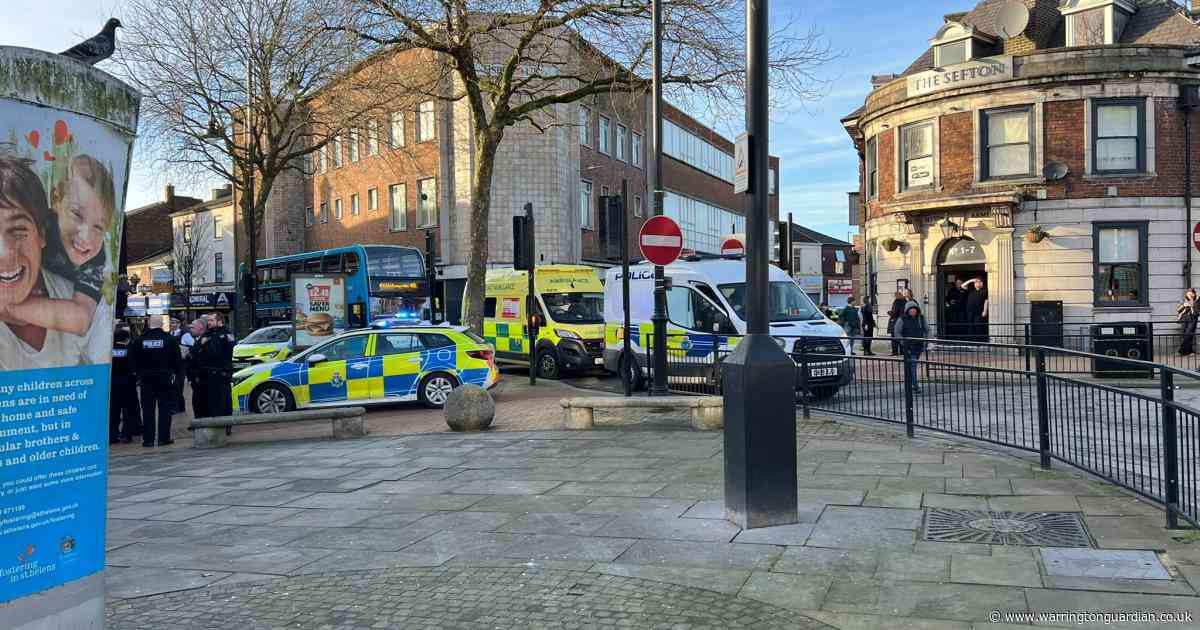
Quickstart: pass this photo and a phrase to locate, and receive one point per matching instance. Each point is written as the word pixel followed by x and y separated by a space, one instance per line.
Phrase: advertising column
pixel 66 131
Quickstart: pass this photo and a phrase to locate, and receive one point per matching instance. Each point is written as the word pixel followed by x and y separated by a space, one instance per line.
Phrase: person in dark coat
pixel 977 309
pixel 850 319
pixel 894 314
pixel 197 329
pixel 868 326
pixel 124 417
pixel 956 304
pixel 156 356
pixel 1187 312
pixel 911 332
pixel 215 362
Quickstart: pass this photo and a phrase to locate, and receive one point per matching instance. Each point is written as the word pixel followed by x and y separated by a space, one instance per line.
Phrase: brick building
pixel 408 170
pixel 148 228
pixel 1042 151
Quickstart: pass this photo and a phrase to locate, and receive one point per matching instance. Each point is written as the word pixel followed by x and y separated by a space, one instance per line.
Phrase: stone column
pixel 917 270
pixel 1001 298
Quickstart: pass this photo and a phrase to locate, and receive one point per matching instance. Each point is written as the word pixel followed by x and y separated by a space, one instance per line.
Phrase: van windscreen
pixel 575 308
pixel 785 302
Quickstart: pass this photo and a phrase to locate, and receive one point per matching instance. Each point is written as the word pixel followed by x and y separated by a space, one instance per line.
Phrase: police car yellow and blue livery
pixel 389 362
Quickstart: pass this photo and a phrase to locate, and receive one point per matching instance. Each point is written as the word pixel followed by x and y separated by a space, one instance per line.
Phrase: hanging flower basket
pixel 1036 234
pixel 890 244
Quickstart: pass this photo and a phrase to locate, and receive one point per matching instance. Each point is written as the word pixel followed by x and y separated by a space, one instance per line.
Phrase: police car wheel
pixel 436 388
pixel 548 365
pixel 271 398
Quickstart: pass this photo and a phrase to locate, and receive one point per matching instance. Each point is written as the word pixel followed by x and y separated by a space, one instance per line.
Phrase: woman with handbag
pixel 1187 313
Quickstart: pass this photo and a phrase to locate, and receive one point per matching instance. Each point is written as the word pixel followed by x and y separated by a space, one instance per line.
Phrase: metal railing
pixel 1146 440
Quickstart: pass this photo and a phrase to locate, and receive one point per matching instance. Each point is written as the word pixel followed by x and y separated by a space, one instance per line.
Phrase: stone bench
pixel 210 432
pixel 708 412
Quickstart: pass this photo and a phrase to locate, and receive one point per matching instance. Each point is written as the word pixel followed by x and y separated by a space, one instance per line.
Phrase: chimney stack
pixel 170 194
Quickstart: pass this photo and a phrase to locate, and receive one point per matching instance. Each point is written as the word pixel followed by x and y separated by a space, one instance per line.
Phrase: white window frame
pixel 396 129
pixel 426 122
pixel 605 142
pixel 218 232
pixel 635 150
pixel 355 207
pixel 984 162
pixel 585 213
pixel 309 219
pixel 1108 7
pixel 352 140
pixel 337 209
pixel 337 151
pixel 902 160
pixel 218 267
pixel 322 160
pixel 585 126
pixel 372 199
pixel 622 136
pixel 638 208
pixel 871 167
pixel 427 205
pixel 393 211
pixel 372 137
pixel 323 217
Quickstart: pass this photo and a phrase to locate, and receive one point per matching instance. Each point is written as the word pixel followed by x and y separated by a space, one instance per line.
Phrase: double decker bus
pixel 381 280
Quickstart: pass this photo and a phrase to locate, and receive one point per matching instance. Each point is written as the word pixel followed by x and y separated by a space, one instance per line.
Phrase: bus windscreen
pixel 394 262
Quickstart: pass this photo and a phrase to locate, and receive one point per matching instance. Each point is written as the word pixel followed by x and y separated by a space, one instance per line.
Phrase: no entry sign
pixel 1196 236
pixel 733 246
pixel 661 240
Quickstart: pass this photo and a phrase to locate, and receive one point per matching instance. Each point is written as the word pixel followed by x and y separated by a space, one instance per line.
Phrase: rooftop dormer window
pixel 1096 22
pixel 957 43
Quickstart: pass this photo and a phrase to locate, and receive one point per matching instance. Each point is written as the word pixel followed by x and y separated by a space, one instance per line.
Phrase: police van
pixel 569 306
pixel 706 309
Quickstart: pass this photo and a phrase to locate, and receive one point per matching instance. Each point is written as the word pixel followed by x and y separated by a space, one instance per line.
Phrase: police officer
pixel 124 399
pixel 185 340
pixel 156 356
pixel 215 361
pixel 197 329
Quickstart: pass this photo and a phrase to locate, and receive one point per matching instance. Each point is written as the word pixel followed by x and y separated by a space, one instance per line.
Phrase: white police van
pixel 706 309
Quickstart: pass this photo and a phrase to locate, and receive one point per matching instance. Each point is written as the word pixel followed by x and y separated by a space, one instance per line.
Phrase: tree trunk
pixel 486 144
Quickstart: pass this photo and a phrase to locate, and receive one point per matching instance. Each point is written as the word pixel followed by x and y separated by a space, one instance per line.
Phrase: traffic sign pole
pixel 661 242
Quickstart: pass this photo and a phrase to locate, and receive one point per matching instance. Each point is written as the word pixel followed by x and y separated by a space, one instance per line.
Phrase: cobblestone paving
pixel 467 598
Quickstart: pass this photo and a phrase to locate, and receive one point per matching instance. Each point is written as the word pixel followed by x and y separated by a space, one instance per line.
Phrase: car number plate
pixel 599 361
pixel 816 372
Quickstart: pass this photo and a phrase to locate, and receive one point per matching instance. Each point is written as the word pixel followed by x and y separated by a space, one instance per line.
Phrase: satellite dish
pixel 1055 171
pixel 1011 19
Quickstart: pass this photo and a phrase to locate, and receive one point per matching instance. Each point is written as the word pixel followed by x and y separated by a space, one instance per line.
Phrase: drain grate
pixel 1035 529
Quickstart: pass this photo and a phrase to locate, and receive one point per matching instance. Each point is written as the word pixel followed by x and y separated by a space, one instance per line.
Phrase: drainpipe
pixel 1189 98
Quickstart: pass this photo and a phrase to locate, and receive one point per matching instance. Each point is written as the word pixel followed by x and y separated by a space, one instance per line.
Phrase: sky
pixel 819 164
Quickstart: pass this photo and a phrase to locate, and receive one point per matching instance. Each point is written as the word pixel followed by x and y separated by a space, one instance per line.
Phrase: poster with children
pixel 62 189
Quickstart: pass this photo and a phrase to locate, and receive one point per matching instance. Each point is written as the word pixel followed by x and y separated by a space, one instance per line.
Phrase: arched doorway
pixel 962 290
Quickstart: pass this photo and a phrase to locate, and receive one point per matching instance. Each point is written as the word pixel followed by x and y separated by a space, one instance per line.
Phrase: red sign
pixel 661 240
pixel 733 247
pixel 1196 236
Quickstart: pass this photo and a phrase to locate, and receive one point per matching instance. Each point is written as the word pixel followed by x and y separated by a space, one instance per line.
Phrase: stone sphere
pixel 469 408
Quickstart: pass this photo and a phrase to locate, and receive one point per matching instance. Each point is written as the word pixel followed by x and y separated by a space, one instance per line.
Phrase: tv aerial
pixel 1012 19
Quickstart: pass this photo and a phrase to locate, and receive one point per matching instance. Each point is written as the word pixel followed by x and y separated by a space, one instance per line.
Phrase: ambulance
pixel 706 309
pixel 569 305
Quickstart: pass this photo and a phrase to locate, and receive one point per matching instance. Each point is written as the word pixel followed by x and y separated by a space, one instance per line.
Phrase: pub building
pixel 1040 147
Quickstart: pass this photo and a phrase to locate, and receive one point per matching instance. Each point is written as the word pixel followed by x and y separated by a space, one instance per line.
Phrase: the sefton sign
pixel 974 72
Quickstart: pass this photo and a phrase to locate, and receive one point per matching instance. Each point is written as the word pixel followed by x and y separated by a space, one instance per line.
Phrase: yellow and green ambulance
pixel 569 305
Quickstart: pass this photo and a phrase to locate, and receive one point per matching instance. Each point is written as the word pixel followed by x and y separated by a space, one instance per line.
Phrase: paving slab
pixel 496 486
pixel 960 602
pixel 838 562
pixel 701 554
pixel 466 521
pixel 552 523
pixel 1050 600
pixel 664 527
pixel 798 592
pixel 609 489
pixel 241 515
pixel 969 569
pixel 232 559
pixel 363 538
pixel 1097 563
pixel 728 581
pixel 129 582
pixel 542 547
pixel 327 518
pixel 795 534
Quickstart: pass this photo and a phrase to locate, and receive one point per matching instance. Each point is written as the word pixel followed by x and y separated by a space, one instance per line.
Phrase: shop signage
pixel 841 287
pixel 810 283
pixel 220 299
pixel 920 172
pixel 974 72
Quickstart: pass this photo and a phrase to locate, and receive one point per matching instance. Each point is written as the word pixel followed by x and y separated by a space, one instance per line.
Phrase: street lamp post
pixel 659 317
pixel 760 407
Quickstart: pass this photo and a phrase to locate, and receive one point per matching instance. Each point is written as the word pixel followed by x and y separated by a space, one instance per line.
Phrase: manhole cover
pixel 1045 529
pixel 1104 563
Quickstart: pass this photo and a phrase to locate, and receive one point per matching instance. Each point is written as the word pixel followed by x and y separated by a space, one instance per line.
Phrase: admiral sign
pixel 974 72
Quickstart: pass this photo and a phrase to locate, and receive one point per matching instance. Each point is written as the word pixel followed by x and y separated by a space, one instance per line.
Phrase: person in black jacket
pixel 894 314
pixel 956 304
pixel 196 331
pixel 214 360
pixel 868 325
pixel 156 357
pixel 911 332
pixel 124 417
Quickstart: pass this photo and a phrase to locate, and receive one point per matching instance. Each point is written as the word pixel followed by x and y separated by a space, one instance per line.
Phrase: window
pixel 1086 28
pixel 872 167
pixel 396 343
pixel 605 132
pixel 307 166
pixel 372 137
pixel 489 307
pixel 337 151
pixel 686 307
pixel 1121 266
pixel 354 205
pixel 343 349
pixel 352 140
pixel 635 152
pixel 308 217
pixel 1007 143
pixel 187 231
pixel 585 204
pixel 427 202
pixel 321 157
pixel 218 227
pixel 396 129
pixel 1119 136
pixel 337 209
pixel 585 127
pixel 703 224
pixel 696 152
pixel 952 53
pixel 398 195
pixel 324 212
pixel 425 124
pixel 218 267
pixel 637 206
pixel 916 156
pixel 622 133
pixel 771 176
pixel 372 200
pixel 434 340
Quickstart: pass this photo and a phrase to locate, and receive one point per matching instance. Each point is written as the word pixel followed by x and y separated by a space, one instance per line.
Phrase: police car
pixel 392 361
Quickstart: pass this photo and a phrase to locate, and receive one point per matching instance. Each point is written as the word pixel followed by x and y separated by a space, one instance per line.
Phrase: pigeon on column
pixel 98 48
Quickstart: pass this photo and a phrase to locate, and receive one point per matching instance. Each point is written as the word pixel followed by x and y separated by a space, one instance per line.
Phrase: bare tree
pixel 513 61
pixel 225 90
pixel 190 252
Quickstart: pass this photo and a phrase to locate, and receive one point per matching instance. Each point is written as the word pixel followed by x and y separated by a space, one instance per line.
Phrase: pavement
pixel 530 526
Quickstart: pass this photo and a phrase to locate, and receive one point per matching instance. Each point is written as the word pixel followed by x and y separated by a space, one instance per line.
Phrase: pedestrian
pixel 215 361
pixel 197 330
pixel 850 321
pixel 868 326
pixel 185 339
pixel 156 357
pixel 912 331
pixel 977 309
pixel 894 315
pixel 1187 313
pixel 124 417
pixel 956 304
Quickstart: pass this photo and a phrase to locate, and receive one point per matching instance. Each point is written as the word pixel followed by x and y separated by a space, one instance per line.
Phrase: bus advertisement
pixel 380 281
